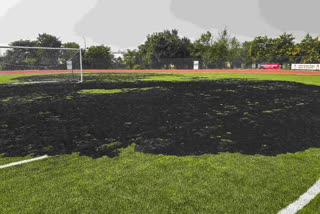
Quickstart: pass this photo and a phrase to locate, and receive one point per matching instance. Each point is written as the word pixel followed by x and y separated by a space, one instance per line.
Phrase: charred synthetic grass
pixel 182 118
pixel 134 182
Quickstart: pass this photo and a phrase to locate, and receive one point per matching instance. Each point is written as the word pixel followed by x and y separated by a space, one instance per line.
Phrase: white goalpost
pixel 50 64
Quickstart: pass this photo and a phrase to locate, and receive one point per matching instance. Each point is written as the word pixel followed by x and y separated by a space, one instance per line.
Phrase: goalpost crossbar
pixel 44 48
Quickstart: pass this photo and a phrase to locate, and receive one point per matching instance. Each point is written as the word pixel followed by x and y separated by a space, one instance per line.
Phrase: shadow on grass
pixel 92 77
pixel 188 118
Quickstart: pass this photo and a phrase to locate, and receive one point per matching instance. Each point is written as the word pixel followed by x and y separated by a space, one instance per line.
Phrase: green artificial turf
pixel 112 91
pixel 19 78
pixel 144 183
pixel 312 207
pixel 100 91
pixel 9 78
pixel 26 99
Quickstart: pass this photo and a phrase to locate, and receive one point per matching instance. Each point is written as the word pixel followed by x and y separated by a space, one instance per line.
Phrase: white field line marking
pixel 22 162
pixel 303 200
pixel 29 83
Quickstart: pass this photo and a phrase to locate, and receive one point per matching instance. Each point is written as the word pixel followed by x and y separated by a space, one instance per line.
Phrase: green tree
pixel 234 51
pixel 118 63
pixel 202 48
pixel 225 49
pixel 66 55
pixel 98 57
pixel 130 58
pixel 260 49
pixel 161 49
pixel 309 49
pixel 70 45
pixel 284 49
pixel 47 40
pixel 244 53
pixel 21 59
pixel 49 58
pixel 281 50
pixel 25 43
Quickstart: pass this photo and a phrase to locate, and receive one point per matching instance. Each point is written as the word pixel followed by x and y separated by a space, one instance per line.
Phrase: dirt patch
pixel 188 118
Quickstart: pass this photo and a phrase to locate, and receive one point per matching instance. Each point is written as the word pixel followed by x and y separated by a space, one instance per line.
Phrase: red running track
pixel 255 71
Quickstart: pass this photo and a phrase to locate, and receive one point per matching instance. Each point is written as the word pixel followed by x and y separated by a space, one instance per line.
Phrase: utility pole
pixel 85 42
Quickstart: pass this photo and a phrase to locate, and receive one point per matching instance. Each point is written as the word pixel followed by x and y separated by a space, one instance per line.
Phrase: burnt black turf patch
pixel 187 118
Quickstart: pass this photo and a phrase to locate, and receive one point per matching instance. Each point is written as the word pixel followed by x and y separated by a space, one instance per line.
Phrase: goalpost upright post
pixel 50 48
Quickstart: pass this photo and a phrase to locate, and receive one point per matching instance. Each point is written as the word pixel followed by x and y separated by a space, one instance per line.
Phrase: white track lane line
pixel 22 162
pixel 303 200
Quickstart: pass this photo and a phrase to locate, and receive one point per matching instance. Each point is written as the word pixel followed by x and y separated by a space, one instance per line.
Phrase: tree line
pixel 162 49
pixel 22 59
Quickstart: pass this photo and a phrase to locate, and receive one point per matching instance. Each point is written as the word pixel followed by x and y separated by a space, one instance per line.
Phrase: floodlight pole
pixel 81 70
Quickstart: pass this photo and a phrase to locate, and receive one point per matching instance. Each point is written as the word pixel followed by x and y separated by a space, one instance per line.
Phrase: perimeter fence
pixel 56 60
pixel 236 63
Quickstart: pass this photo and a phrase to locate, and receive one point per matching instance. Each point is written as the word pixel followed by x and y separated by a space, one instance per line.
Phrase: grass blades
pixel 143 183
pixel 312 207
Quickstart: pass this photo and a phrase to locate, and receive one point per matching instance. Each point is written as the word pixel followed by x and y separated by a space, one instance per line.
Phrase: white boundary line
pixel 29 83
pixel 303 200
pixel 22 162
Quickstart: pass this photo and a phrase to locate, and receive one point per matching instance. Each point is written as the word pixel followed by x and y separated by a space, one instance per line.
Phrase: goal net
pixel 41 64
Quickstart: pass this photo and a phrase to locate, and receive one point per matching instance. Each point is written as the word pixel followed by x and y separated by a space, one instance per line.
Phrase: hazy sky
pixel 126 23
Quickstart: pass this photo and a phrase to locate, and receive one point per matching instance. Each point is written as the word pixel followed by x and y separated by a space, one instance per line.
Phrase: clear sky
pixel 124 24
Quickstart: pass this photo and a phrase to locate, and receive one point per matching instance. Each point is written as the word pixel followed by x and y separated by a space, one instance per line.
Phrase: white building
pixel 118 54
